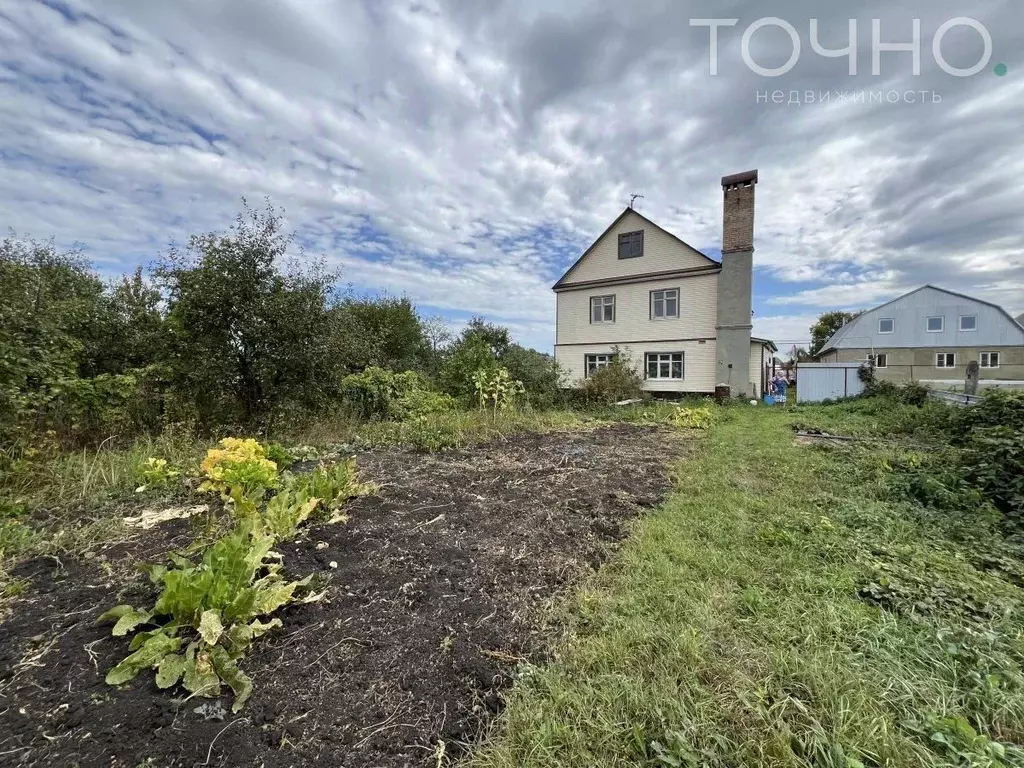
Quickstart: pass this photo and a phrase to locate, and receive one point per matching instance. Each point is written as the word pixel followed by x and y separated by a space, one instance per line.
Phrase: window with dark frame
pixel 989 359
pixel 881 360
pixel 631 245
pixel 945 360
pixel 602 309
pixel 664 365
pixel 886 325
pixel 665 304
pixel 593 363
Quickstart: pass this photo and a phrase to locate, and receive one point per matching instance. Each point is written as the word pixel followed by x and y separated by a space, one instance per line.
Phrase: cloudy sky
pixel 465 152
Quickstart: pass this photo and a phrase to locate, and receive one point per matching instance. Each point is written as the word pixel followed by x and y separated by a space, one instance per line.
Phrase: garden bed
pixel 438 589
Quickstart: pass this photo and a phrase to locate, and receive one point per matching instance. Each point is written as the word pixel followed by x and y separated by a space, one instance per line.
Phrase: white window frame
pixel 665 298
pixel 891 320
pixel 968 330
pixel 600 360
pixel 986 360
pixel 942 323
pixel 945 356
pixel 656 357
pixel 881 360
pixel 605 303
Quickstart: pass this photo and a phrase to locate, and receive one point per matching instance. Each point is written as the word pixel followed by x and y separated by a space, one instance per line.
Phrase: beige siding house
pixel 931 335
pixel 681 317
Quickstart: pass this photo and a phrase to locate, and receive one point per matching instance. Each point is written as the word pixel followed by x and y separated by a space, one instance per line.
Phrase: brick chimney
pixel 734 284
pixel 738 212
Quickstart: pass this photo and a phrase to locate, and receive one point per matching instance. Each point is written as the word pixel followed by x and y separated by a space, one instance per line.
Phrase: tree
pixel 128 332
pixel 828 324
pixel 248 338
pixel 481 345
pixel 384 332
pixel 49 301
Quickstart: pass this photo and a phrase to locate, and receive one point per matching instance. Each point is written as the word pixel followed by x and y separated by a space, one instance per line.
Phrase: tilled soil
pixel 438 585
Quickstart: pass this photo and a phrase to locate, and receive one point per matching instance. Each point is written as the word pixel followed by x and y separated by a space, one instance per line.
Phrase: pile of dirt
pixel 438 585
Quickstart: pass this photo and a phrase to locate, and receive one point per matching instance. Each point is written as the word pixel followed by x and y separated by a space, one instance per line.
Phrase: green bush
pixel 619 381
pixel 380 394
pixel 910 393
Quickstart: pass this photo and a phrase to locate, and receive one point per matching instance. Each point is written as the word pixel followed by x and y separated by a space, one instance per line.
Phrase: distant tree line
pixel 227 333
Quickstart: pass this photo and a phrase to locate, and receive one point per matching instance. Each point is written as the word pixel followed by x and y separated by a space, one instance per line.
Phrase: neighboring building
pixel 931 334
pixel 683 318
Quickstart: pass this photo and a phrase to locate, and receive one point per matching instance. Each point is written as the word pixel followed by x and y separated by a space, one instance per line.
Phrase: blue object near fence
pixel 769 400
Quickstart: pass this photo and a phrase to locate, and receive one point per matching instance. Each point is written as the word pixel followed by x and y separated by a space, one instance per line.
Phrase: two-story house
pixel 932 334
pixel 683 318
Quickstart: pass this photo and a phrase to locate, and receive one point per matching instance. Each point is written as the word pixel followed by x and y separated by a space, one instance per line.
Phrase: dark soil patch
pixel 438 585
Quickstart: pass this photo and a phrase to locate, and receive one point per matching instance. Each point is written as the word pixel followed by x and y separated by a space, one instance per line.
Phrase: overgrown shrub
pixel 910 393
pixel 618 381
pixel 377 393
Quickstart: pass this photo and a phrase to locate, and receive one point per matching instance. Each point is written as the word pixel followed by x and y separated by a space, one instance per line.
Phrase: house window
pixel 881 360
pixel 664 304
pixel 936 324
pixel 989 359
pixel 968 322
pixel 602 309
pixel 631 245
pixel 664 365
pixel 886 325
pixel 945 360
pixel 594 363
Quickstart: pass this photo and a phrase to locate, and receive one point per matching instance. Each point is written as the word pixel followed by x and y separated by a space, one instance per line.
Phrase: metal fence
pixel 827 381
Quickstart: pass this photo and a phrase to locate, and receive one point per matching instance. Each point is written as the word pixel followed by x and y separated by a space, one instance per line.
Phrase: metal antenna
pixel 633 198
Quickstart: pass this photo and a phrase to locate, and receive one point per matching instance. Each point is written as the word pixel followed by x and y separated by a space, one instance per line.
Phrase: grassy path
pixel 729 631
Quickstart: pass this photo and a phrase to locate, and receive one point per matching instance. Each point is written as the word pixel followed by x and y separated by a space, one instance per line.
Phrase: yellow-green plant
pixel 694 418
pixel 333 484
pixel 239 470
pixel 207 615
pixel 286 511
pixel 157 473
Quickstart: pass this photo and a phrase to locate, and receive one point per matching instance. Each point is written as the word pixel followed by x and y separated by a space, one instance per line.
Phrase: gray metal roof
pixel 845 330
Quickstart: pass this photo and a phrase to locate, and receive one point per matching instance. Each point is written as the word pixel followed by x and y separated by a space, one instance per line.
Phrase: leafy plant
pixel 207 616
pixel 496 389
pixel 278 454
pixel 157 473
pixel 332 484
pixel 286 511
pixel 694 418
pixel 956 738
pixel 239 468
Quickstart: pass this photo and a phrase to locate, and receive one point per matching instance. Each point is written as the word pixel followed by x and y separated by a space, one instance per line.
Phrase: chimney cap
pixel 747 177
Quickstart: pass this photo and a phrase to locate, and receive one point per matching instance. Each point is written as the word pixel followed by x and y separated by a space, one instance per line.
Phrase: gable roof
pixel 838 335
pixel 625 212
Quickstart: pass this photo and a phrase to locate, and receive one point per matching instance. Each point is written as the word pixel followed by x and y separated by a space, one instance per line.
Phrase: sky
pixel 464 153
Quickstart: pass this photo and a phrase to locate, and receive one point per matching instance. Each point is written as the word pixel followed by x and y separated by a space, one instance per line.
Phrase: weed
pixel 207 616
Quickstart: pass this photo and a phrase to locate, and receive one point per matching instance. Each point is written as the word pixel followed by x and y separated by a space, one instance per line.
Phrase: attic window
pixel 631 245
pixel 886 325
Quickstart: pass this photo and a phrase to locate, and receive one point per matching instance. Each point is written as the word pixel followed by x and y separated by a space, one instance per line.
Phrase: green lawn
pixel 787 606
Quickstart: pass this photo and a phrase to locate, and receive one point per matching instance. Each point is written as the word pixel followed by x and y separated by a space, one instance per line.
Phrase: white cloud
pixel 465 153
